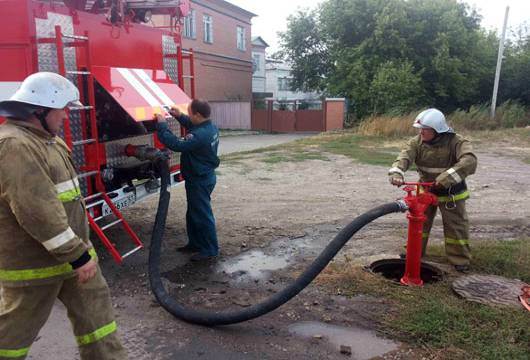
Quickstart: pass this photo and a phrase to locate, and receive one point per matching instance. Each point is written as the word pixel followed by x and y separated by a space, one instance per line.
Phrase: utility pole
pixel 499 63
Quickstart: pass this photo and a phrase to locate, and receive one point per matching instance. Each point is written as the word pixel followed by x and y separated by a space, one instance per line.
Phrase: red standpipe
pixel 417 204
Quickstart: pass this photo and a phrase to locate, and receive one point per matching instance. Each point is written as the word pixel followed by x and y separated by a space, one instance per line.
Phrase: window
pixel 208 29
pixel 190 30
pixel 241 45
pixel 284 84
pixel 256 59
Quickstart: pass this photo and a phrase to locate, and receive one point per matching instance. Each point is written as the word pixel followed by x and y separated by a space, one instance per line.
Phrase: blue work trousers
pixel 200 222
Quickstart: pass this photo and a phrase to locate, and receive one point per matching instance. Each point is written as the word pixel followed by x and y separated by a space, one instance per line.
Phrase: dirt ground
pixel 272 220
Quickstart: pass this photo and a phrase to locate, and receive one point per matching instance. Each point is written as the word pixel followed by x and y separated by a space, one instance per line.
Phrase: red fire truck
pixel 126 71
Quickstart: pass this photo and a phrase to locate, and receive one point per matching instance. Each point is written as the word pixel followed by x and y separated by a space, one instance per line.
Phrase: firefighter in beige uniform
pixel 45 251
pixel 446 158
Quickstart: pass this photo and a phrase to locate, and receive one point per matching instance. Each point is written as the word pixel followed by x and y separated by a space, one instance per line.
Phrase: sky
pixel 272 15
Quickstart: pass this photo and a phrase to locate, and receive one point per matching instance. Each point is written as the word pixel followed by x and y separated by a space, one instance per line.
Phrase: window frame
pixel 241 41
pixel 190 25
pixel 256 59
pixel 285 81
pixel 207 21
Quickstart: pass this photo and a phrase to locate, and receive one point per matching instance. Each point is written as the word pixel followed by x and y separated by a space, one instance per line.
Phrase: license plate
pixel 120 203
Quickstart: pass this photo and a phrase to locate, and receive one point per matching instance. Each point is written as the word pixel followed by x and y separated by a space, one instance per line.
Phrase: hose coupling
pixel 403 207
pixel 145 152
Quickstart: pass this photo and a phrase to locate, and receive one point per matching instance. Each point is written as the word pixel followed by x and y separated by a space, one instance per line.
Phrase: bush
pixel 389 125
pixel 513 114
pixel 396 88
pixel 508 115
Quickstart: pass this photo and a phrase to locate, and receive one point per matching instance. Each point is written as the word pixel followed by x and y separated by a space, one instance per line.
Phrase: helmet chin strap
pixel 42 118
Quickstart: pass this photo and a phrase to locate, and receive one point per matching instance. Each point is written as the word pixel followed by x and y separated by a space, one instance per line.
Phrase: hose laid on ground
pixel 224 318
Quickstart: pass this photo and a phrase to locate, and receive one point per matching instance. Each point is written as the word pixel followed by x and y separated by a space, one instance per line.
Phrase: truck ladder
pixel 186 54
pixel 181 55
pixel 90 141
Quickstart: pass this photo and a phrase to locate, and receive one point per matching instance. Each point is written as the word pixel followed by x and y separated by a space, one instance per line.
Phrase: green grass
pixel 365 149
pixel 372 150
pixel 434 318
pixel 503 258
pixel 516 136
pixel 293 156
pixel 237 157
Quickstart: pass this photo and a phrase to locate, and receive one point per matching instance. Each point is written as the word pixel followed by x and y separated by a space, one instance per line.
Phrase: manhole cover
pixel 489 289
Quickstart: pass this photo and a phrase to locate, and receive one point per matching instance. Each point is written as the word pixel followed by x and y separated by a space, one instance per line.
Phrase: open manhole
pixel 394 269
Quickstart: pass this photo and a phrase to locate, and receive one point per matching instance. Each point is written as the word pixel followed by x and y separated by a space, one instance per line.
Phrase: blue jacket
pixel 198 149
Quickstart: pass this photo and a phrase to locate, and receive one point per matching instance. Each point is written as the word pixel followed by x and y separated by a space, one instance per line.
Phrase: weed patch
pixel 503 258
pixel 292 156
pixel 433 317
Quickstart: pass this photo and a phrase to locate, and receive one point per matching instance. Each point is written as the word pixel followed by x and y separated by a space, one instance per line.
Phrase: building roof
pixel 273 64
pixel 228 5
pixel 258 41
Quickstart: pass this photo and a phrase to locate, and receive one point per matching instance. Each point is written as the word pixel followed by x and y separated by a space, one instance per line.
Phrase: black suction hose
pixel 224 318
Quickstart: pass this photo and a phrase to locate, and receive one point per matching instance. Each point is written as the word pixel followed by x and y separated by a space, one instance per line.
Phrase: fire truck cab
pixel 126 71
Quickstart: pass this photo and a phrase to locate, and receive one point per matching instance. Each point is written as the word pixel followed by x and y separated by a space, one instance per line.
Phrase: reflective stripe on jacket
pixel 448 159
pixel 43 224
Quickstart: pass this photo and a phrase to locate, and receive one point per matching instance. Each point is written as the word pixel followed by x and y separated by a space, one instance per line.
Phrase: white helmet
pixel 44 89
pixel 432 118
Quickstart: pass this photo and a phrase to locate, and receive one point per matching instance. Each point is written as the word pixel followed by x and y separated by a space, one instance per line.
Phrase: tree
pixel 395 88
pixel 515 76
pixel 303 42
pixel 429 53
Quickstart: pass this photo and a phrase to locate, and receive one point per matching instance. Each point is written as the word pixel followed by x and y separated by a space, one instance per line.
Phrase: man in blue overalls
pixel 198 162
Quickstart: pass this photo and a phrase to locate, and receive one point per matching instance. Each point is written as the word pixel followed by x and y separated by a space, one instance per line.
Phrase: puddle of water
pixel 258 265
pixel 254 264
pixel 365 344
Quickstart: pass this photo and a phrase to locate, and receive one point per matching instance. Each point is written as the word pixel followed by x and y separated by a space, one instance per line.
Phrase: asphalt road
pixel 230 144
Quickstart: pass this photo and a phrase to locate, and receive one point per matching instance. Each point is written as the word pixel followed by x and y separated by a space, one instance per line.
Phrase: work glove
pixel 444 180
pixel 396 179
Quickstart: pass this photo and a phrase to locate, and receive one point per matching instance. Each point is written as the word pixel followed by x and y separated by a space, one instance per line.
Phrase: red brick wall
pixel 334 115
pixel 219 79
pixel 222 71
pixel 225 22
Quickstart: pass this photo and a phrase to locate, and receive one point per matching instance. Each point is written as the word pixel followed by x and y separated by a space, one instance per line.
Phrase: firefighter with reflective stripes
pixel 446 158
pixel 45 251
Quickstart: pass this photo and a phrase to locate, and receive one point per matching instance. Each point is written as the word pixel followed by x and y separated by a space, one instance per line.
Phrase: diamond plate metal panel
pixel 116 150
pixel 83 187
pixel 174 126
pixel 47 53
pixel 170 64
pixel 174 159
pixel 47 60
